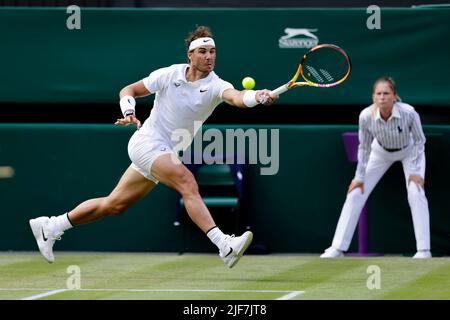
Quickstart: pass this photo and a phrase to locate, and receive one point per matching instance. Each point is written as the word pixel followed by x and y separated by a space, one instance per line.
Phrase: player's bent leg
pixel 131 187
pixel 178 177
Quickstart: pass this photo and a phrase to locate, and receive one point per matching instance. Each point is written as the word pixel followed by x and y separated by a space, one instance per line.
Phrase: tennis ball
pixel 248 83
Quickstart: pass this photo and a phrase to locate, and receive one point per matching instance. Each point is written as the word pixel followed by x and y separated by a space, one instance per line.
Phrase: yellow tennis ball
pixel 248 83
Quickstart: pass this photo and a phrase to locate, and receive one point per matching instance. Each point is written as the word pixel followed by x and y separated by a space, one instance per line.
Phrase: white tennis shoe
pixel 44 236
pixel 425 254
pixel 234 248
pixel 332 253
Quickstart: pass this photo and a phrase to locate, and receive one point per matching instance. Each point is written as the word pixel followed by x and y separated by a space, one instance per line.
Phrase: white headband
pixel 206 41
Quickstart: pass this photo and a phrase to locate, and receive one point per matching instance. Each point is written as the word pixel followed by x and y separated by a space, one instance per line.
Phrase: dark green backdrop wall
pixel 43 61
pixel 58 166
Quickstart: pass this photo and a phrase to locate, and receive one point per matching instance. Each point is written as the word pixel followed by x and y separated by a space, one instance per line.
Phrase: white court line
pixel 46 294
pixel 289 295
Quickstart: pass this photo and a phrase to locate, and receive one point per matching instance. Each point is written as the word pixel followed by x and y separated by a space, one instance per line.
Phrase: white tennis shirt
pixel 179 103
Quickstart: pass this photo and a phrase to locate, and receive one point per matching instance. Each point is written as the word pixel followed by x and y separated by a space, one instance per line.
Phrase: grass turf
pixel 145 276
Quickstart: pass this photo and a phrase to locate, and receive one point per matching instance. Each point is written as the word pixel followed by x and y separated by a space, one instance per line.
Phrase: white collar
pixel 181 76
pixel 395 113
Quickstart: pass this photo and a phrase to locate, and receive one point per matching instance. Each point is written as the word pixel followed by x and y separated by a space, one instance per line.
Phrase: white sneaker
pixel 234 248
pixel 332 253
pixel 44 237
pixel 425 254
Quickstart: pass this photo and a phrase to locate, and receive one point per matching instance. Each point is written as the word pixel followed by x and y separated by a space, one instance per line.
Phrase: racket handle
pixel 279 90
pixel 275 92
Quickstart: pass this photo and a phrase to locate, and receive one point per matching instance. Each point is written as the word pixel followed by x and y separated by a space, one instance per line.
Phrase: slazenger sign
pixel 298 38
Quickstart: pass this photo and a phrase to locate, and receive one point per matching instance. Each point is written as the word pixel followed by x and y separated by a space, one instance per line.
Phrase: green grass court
pixel 142 276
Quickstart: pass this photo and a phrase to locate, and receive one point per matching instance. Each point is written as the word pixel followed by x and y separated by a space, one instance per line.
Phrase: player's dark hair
pixel 200 32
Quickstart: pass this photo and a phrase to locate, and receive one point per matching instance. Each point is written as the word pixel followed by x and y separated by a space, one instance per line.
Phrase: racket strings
pixel 328 76
pixel 315 73
pixel 325 66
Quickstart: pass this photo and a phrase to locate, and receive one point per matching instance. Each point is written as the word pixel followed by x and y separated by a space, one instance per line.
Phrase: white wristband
pixel 249 98
pixel 127 104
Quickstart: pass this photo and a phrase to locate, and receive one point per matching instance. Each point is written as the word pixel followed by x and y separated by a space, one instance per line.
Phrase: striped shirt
pixel 401 129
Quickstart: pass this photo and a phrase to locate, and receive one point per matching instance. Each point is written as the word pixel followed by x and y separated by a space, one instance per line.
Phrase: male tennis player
pixel 184 93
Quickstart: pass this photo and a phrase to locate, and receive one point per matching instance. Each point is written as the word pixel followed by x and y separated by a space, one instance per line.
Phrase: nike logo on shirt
pixel 203 90
pixel 176 84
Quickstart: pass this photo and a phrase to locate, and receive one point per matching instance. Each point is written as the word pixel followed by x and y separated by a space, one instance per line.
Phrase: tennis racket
pixel 323 66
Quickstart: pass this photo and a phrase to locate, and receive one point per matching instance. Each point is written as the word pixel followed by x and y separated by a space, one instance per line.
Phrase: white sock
pixel 216 236
pixel 61 223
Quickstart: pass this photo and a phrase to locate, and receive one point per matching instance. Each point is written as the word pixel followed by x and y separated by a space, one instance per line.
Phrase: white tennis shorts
pixel 143 151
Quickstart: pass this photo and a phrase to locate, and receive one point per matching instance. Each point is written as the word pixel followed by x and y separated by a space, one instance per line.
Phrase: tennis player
pixel 389 131
pixel 185 93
